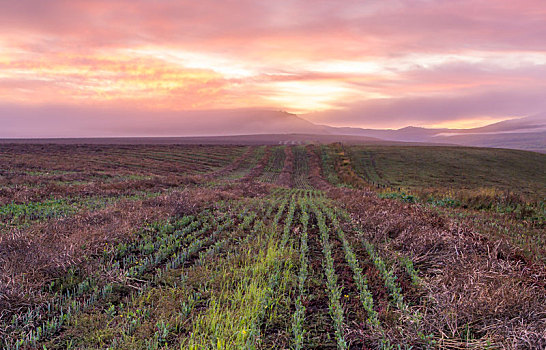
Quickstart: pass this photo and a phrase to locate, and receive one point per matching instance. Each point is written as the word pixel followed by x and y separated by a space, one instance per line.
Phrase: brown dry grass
pixel 25 194
pixel 232 166
pixel 472 283
pixel 286 175
pixel 315 170
pixel 476 288
pixel 32 257
pixel 259 168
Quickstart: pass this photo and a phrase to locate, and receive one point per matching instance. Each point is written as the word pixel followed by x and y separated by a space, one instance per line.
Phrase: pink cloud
pixel 395 61
pixel 326 27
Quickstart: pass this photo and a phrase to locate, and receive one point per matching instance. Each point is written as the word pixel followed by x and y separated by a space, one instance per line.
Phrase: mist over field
pixel 19 122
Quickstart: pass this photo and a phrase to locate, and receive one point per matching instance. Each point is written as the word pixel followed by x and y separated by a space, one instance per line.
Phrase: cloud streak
pixel 375 63
pixel 435 111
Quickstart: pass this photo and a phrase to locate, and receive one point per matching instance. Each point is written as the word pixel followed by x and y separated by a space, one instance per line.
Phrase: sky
pixel 380 64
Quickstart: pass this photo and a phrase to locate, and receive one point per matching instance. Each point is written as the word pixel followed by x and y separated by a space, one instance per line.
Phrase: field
pixel 328 246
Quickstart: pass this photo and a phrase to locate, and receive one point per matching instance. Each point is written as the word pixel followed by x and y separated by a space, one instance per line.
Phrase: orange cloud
pixel 326 57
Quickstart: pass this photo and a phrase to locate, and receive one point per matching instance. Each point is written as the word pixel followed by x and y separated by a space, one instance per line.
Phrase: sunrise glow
pixel 349 63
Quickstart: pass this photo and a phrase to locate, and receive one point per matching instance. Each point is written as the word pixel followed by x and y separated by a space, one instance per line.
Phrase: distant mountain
pixel 527 124
pixel 26 122
pixel 524 141
pixel 407 134
pixel 229 122
pixel 528 133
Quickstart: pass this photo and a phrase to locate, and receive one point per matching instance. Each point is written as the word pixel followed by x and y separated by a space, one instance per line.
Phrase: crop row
pixel 360 280
pixel 73 300
pixel 200 248
pixel 299 313
pixel 132 262
pixel 161 335
pixel 301 168
pixel 334 290
pixel 411 317
pixel 273 169
pixel 274 280
pixel 249 284
pixel 247 164
pixel 14 214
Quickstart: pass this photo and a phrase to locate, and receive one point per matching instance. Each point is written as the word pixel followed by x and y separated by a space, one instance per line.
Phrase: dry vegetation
pixel 300 247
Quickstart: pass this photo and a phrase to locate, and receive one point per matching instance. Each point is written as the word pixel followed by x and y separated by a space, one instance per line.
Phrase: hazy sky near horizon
pixel 454 63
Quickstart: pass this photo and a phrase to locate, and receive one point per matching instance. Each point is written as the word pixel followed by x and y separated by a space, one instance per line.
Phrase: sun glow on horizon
pixel 376 64
pixel 469 123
